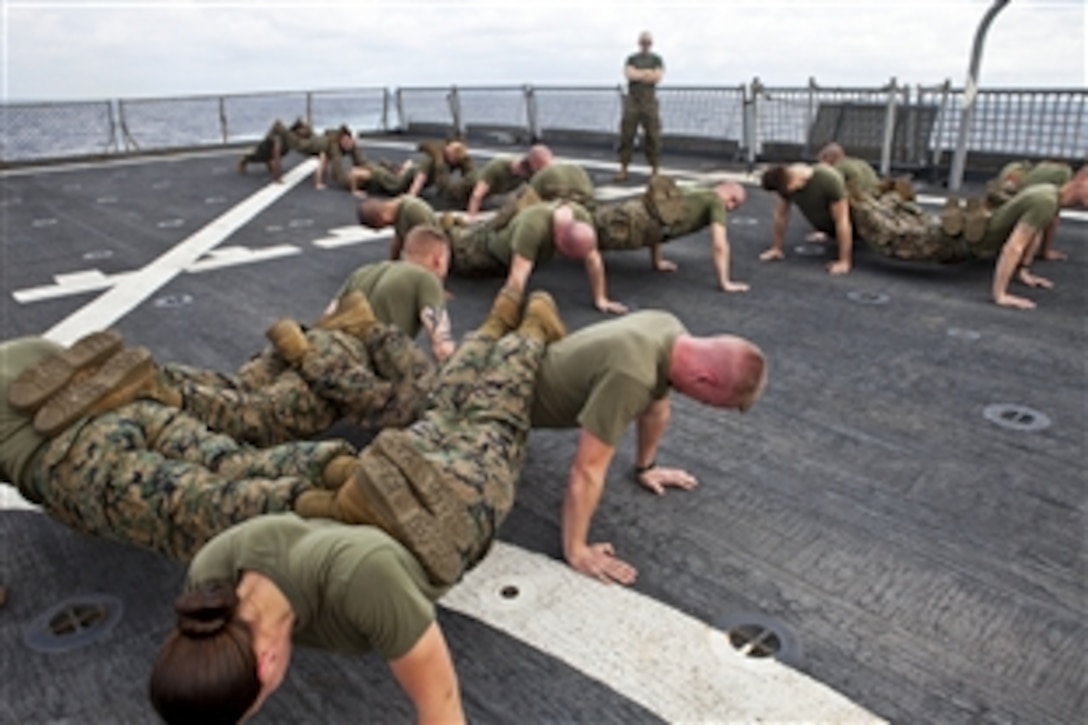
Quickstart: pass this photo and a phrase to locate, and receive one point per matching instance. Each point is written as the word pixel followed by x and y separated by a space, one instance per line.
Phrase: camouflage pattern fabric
pixel 377 383
pixel 626 225
pixel 470 255
pixel 901 229
pixel 153 476
pixel 477 430
pixel 278 134
pixel 640 110
pixel 382 381
pixel 385 181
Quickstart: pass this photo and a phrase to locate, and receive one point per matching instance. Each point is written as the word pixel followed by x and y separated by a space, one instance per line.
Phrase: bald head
pixel 456 151
pixel 574 239
pixel 376 213
pixel 831 154
pixel 539 157
pixel 724 371
pixel 1074 193
pixel 731 193
pixel 645 39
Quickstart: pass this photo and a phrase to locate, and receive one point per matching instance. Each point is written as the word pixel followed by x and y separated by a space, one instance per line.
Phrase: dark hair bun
pixel 204 612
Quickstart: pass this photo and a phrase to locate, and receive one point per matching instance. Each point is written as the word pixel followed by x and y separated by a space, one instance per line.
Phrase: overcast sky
pixel 83 49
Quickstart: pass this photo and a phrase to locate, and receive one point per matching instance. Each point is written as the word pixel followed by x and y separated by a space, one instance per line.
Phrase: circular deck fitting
pixel 171 301
pixel 1016 417
pixel 964 333
pixel 759 636
pixel 511 593
pixel 810 250
pixel 170 223
pixel 97 254
pixel 298 223
pixel 73 623
pixel 868 298
pixel 39 223
pixel 743 221
pixel 106 200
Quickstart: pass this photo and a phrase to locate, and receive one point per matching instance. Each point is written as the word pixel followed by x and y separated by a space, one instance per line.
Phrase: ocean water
pixel 1029 123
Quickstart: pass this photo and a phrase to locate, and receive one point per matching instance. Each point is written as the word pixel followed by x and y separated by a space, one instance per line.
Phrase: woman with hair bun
pixel 277 580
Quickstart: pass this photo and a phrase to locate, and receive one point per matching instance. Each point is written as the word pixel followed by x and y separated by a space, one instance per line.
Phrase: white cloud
pixel 126 49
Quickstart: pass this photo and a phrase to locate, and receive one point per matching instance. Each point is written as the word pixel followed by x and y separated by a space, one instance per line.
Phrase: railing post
pixel 970 94
pixel 889 128
pixel 224 129
pixel 531 114
pixel 810 116
pixel 751 121
pixel 310 108
pixel 402 123
pixel 454 100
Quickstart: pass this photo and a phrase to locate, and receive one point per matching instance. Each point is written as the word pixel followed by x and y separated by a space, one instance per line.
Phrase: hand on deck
pixel 734 286
pixel 657 479
pixel 666 266
pixel 1019 303
pixel 614 308
pixel 1034 280
pixel 839 267
pixel 599 561
pixel 769 255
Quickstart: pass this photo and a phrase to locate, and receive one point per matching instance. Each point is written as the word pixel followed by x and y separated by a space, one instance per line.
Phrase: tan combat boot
pixel 353 315
pixel 128 375
pixel 541 321
pixel 975 219
pixel 38 382
pixel 952 218
pixel 290 341
pixel 505 314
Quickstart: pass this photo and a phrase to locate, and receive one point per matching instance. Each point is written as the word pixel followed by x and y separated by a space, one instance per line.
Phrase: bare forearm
pixel 597 285
pixel 650 428
pixel 719 250
pixel 579 504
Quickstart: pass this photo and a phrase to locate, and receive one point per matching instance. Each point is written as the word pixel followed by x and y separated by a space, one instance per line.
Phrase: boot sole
pixel 120 380
pixel 952 219
pixel 355 319
pixel 545 312
pixel 288 339
pixel 422 513
pixel 37 383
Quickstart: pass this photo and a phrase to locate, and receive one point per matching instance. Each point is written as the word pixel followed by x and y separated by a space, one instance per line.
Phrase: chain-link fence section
pixel 890 126
pixel 31 131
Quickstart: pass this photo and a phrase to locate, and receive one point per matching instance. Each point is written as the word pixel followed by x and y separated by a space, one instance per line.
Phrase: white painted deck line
pixel 116 302
pixel 682 669
pixel 674 665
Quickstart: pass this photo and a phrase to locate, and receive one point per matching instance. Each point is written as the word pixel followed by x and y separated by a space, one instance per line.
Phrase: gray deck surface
pixel 930 563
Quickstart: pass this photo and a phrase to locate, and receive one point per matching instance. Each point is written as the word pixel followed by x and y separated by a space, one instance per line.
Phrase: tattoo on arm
pixel 437 324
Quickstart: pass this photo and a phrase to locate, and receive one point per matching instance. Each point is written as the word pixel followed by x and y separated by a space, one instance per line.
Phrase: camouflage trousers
pixel 640 112
pixel 153 476
pixel 903 230
pixel 382 381
pixel 626 225
pixel 477 430
pixel 385 181
pixel 469 251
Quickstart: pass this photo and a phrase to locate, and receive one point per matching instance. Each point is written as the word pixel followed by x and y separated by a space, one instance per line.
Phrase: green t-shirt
pixel 529 234
pixel 859 172
pixel 604 376
pixel 398 292
pixel 815 198
pixel 412 212
pixel 498 174
pixel 1047 172
pixel 18 439
pixel 352 588
pixel 563 181
pixel 1035 206
pixel 643 61
pixel 702 207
